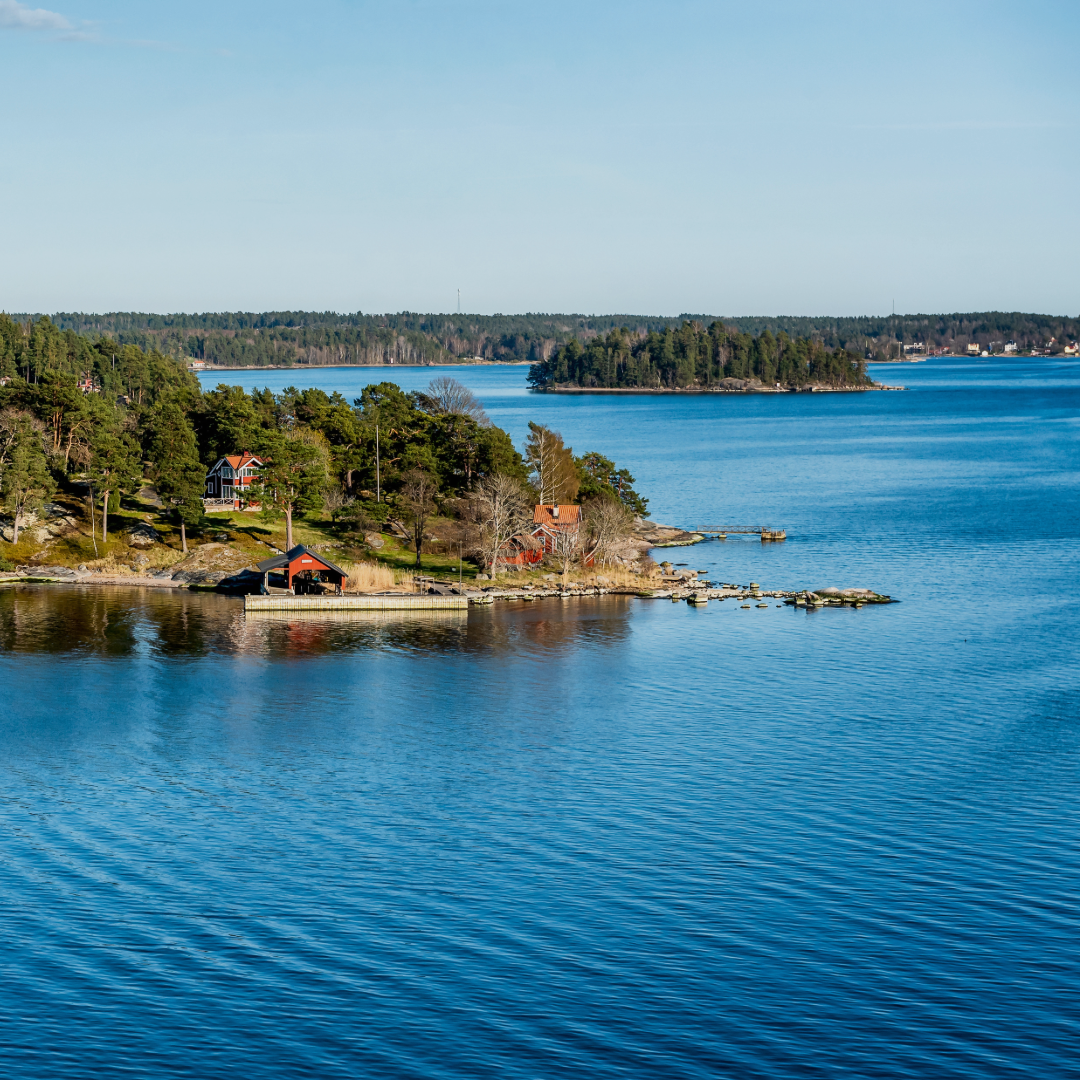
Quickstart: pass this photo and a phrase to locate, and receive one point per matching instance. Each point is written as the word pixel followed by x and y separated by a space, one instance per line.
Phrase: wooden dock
pixel 766 532
pixel 404 602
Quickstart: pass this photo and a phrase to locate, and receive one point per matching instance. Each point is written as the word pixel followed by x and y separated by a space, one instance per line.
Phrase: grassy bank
pixel 233 540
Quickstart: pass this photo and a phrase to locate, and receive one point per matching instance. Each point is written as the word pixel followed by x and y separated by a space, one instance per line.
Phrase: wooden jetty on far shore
pixel 354 602
pixel 764 531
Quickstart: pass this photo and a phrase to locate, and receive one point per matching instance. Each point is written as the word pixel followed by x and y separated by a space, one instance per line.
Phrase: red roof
pixel 240 461
pixel 545 515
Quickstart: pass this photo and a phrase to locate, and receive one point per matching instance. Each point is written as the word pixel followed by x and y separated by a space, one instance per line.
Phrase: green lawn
pixel 247 533
pixel 245 530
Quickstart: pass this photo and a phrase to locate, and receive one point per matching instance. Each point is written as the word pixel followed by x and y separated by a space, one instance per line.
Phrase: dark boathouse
pixel 304 572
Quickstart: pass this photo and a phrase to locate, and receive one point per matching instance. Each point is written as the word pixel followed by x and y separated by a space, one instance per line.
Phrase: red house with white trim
pixel 229 479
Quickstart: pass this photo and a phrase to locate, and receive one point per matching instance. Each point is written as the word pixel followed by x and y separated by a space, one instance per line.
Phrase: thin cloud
pixel 16 16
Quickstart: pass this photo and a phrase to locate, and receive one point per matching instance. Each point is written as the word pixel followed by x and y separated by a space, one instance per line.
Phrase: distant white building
pixel 973 349
pixel 1010 346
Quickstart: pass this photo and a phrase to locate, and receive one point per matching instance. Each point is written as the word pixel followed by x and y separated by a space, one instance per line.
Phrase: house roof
pixel 279 561
pixel 524 541
pixel 237 461
pixel 568 515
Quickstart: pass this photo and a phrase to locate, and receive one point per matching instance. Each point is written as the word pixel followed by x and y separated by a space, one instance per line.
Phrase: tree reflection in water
pixel 117 621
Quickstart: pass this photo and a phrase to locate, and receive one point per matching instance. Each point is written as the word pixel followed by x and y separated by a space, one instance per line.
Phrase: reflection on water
pixel 119 622
pixel 107 621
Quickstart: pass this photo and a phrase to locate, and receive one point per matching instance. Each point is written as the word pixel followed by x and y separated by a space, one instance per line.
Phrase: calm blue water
pixel 611 838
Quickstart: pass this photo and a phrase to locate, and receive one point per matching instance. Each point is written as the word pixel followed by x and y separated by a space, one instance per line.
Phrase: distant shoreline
pixel 312 367
pixel 712 390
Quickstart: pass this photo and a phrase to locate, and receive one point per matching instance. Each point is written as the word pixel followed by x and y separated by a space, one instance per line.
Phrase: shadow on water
pixel 121 622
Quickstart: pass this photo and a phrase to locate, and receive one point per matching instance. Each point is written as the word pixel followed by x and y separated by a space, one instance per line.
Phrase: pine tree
pixel 115 467
pixel 27 482
pixel 178 473
pixel 293 476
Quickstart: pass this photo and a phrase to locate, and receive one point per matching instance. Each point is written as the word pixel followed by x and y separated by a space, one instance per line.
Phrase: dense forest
pixel 694 355
pixel 241 339
pixel 40 351
pixel 99 420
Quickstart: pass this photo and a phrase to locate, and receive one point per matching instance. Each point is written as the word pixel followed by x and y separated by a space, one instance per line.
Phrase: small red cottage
pixel 549 522
pixel 304 572
pixel 521 550
pixel 230 478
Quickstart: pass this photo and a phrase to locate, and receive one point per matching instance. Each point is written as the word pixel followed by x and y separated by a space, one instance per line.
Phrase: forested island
pixel 287 338
pixel 694 356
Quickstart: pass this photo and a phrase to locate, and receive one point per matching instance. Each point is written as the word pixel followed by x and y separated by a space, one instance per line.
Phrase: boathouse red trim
pixel 298 566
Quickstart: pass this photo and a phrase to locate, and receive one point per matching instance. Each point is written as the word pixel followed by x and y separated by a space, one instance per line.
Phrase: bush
pixel 6 564
pixel 362 516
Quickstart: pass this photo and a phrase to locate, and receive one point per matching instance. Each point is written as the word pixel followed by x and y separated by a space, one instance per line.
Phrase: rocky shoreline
pixel 220 568
pixel 698 593
pixel 727 386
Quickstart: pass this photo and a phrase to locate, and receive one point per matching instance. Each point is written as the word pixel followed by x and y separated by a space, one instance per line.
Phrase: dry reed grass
pixel 366 577
pixel 120 561
pixel 620 577
pixel 615 577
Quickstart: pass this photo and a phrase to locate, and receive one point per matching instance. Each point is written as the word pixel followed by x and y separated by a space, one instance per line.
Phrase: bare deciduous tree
pixel 566 547
pixel 501 509
pixel 449 397
pixel 418 497
pixel 335 499
pixel 553 466
pixel 607 523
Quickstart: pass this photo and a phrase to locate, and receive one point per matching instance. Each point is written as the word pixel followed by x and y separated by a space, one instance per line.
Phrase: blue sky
pixel 758 157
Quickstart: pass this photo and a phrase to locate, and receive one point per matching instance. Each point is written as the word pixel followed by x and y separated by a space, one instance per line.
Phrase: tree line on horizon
pixel 694 355
pixel 285 338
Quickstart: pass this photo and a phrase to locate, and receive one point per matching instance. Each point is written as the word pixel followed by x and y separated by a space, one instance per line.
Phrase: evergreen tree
pixel 26 483
pixel 600 479
pixel 115 468
pixel 293 476
pixel 179 475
